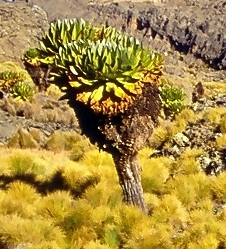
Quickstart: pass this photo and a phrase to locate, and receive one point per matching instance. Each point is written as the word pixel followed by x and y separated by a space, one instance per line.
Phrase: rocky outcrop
pixel 197 28
pixel 202 135
pixel 20 28
pixel 45 114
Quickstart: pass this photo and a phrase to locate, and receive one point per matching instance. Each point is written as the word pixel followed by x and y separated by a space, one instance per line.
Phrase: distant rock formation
pixel 20 28
pixel 197 28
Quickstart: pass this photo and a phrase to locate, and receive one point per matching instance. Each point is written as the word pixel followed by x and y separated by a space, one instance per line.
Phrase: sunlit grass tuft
pixel 78 204
pixel 187 163
pixel 215 116
pixel 155 174
pixel 30 231
pixel 20 198
pixel 190 189
pixel 21 164
pixel 55 206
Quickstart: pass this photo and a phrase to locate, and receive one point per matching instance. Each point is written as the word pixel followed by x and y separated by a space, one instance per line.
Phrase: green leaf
pixel 131 87
pixel 112 87
pixel 89 82
pixel 96 95
pixel 75 84
pixel 73 70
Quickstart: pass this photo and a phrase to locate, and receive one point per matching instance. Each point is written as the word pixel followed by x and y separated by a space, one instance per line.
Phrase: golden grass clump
pixel 20 164
pixel 215 116
pixel 55 206
pixel 21 199
pixel 23 139
pixel 166 130
pixel 97 196
pixel 223 124
pixel 187 162
pixel 213 88
pixel 172 211
pixel 139 232
pixel 96 245
pixel 221 142
pixel 80 148
pixel 54 91
pixel 204 231
pixel 187 116
pixel 190 189
pixel 31 232
pixel 46 211
pixel 59 141
pixel 156 174
pixel 218 187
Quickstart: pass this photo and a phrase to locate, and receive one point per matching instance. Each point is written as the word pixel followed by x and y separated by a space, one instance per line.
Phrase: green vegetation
pixel 106 68
pixel 16 81
pixel 22 91
pixel 109 76
pixel 172 99
pixel 10 78
pixel 106 75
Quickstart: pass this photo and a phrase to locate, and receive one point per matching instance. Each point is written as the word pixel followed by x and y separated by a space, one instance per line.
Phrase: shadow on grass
pixel 56 182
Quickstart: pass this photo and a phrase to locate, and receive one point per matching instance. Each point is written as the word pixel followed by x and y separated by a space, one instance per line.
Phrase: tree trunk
pixel 129 171
pixel 123 136
pixel 39 74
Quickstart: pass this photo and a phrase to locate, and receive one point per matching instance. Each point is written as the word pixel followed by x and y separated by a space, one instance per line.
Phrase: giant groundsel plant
pixel 107 75
pixel 111 81
pixel 39 61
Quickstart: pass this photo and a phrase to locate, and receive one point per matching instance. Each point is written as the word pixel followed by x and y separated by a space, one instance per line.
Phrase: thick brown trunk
pixel 39 74
pixel 123 136
pixel 129 172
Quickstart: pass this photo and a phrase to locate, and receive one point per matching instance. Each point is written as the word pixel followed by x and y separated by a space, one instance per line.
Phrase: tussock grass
pixel 213 88
pixel 166 130
pixel 14 67
pixel 215 116
pixel 50 201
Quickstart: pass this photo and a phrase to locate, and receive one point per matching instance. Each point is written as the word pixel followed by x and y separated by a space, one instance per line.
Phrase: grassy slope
pixel 85 210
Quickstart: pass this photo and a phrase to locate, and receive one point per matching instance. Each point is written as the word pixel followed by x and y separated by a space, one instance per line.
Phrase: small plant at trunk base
pixel 112 82
pixel 172 99
pixel 35 57
pixel 10 78
pixel 22 91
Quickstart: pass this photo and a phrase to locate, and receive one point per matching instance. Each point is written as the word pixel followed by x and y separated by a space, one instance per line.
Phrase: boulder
pixel 21 27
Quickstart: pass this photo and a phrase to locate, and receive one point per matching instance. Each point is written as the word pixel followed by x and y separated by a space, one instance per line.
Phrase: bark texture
pixel 122 136
pixel 39 75
pixel 129 173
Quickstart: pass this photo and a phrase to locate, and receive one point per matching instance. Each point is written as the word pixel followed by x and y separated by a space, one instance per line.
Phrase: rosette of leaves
pixel 172 99
pixel 63 32
pixel 22 91
pixel 40 61
pixel 68 30
pixel 108 75
pixel 35 57
pixel 9 78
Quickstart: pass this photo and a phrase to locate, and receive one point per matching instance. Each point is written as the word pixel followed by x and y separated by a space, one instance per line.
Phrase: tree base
pixel 39 74
pixel 122 136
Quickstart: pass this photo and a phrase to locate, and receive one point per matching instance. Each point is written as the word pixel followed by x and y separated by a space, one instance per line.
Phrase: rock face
pixel 20 28
pixel 197 27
